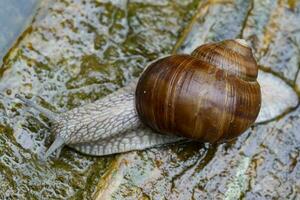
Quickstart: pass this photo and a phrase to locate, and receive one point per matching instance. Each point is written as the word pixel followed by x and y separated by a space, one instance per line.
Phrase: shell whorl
pixel 233 56
pixel 211 95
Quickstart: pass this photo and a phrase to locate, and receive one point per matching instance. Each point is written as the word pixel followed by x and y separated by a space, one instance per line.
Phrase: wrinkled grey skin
pixel 107 126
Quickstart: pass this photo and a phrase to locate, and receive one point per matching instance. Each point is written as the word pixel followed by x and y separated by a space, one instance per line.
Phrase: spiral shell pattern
pixel 211 95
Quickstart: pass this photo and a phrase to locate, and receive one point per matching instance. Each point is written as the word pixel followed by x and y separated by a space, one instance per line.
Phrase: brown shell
pixel 211 95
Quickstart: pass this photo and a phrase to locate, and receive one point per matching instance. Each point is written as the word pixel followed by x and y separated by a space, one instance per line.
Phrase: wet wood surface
pixel 75 52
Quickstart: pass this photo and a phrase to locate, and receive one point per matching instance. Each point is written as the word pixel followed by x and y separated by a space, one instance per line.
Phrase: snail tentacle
pixel 57 145
pixel 49 114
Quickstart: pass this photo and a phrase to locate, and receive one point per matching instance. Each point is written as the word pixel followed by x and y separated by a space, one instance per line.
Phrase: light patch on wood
pixel 277 97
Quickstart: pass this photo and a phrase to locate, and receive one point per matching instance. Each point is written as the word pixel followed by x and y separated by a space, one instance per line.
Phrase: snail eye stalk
pixel 49 114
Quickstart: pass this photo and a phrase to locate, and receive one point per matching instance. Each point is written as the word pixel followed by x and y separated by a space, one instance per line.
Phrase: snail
pixel 211 95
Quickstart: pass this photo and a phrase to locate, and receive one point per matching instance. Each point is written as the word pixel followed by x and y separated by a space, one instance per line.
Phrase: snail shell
pixel 211 95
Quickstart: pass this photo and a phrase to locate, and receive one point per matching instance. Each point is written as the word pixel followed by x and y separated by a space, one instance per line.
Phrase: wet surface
pixel 74 52
pixel 78 51
pixel 251 167
pixel 261 164
pixel 278 98
pixel 274 31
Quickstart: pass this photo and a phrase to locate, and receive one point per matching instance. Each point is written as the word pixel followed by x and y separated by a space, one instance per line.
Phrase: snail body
pixel 210 95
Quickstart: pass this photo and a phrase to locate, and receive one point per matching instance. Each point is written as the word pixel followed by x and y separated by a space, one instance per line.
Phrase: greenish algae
pixel 74 52
pixel 77 52
pixel 261 164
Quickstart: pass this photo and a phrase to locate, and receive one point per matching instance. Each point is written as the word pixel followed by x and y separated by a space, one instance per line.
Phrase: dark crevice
pixel 250 9
pixel 188 28
pixel 198 165
pixel 289 83
pixel 282 115
pixel 297 88
pixel 298 55
pixel 277 74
